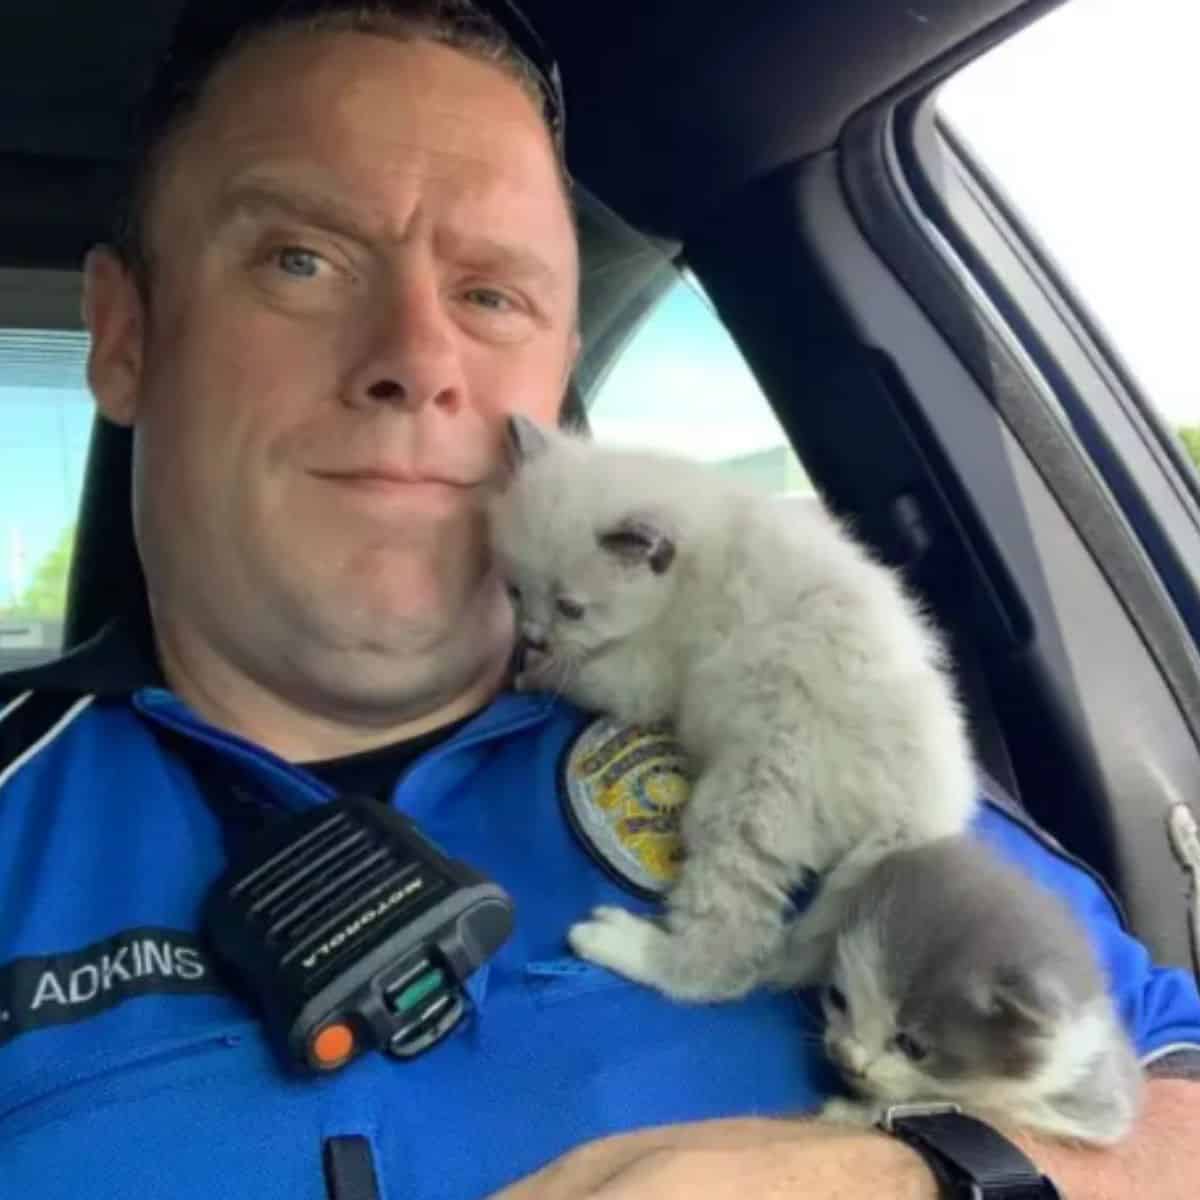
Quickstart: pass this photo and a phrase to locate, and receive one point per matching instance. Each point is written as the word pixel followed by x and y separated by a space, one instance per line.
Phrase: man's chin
pixel 381 683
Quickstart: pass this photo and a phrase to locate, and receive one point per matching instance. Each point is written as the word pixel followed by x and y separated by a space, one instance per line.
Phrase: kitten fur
pixel 804 684
pixel 991 986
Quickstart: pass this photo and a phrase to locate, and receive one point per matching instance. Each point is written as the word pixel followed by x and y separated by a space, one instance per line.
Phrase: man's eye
pixel 295 260
pixel 490 299
pixel 514 592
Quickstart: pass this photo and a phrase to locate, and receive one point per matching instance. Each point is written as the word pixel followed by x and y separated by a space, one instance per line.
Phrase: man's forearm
pixel 1159 1160
pixel 778 1159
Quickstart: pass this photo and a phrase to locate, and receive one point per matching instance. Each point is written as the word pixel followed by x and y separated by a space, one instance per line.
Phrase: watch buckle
pixel 898 1112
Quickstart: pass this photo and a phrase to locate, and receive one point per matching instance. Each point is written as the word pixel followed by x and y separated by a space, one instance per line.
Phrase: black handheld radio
pixel 353 931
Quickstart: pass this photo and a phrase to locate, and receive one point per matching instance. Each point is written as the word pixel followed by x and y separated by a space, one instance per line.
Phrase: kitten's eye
pixel 836 998
pixel 909 1047
pixel 571 609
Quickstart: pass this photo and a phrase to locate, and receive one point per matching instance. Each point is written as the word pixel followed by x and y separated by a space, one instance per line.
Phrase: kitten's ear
pixel 525 440
pixel 639 539
pixel 1036 997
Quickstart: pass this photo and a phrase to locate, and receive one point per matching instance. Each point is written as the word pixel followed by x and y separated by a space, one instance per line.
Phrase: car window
pixel 1101 172
pixel 45 422
pixel 680 384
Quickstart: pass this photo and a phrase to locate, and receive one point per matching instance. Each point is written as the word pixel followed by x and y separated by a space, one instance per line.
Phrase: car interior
pixel 941 386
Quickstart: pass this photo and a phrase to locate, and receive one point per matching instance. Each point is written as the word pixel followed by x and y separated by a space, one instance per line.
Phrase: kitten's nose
pixel 534 636
pixel 850 1058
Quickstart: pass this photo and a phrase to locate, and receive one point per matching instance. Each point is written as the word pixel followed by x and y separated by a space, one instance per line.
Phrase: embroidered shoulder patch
pixel 623 788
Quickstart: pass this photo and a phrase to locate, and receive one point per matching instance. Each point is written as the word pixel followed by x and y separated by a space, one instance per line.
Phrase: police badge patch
pixel 623 789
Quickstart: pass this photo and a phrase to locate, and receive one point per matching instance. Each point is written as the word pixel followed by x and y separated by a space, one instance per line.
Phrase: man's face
pixel 362 262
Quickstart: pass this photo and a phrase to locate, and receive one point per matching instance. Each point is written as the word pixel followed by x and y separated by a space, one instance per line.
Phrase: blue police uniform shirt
pixel 126 1069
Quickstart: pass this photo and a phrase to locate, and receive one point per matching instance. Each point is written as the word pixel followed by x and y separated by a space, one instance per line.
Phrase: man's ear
pixel 115 318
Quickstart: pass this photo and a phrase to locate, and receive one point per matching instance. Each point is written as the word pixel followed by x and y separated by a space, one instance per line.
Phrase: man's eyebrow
pixel 256 198
pixel 484 253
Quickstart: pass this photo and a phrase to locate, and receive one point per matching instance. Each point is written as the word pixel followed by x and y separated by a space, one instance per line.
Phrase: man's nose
pixel 411 361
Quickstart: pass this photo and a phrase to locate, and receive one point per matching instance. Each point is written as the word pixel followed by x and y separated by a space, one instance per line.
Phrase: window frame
pixel 40 299
pixel 1134 498
pixel 1101 708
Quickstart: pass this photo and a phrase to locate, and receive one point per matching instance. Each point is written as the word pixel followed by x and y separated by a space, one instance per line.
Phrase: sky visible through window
pixel 45 423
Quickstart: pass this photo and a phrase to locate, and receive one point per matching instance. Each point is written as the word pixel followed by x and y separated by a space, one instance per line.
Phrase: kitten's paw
pixel 618 940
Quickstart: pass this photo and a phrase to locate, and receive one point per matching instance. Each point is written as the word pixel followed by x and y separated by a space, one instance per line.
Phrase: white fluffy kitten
pixel 802 681
pixel 958 978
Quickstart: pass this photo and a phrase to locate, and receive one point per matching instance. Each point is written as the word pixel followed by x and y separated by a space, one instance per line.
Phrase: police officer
pixel 347 255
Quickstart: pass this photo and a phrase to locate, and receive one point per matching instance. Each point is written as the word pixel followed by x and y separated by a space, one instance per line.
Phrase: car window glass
pixel 680 384
pixel 45 422
pixel 1105 172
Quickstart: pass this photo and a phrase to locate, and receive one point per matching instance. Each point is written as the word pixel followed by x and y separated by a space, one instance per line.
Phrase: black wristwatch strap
pixel 970 1159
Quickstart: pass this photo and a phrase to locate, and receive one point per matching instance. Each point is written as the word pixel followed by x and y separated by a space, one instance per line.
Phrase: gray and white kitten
pixel 958 978
pixel 805 686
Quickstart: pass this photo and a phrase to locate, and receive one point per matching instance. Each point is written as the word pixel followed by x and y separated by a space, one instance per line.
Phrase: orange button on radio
pixel 332 1045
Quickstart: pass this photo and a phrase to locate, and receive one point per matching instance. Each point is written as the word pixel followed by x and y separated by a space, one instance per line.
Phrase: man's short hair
pixel 204 40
